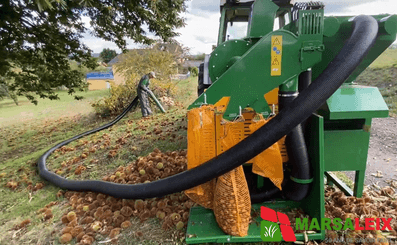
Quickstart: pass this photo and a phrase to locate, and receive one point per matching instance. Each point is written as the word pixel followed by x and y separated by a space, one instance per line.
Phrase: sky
pixel 202 22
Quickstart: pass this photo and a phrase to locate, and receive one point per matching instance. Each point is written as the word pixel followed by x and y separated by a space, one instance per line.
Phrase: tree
pixel 173 47
pixel 4 92
pixel 177 50
pixel 38 38
pixel 137 62
pixel 107 55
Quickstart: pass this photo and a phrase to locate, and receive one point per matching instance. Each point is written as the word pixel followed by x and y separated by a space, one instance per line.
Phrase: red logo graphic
pixel 277 218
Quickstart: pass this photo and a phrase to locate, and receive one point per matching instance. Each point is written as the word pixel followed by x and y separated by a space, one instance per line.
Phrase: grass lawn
pixel 47 109
pixel 26 128
pixel 27 131
pixel 386 60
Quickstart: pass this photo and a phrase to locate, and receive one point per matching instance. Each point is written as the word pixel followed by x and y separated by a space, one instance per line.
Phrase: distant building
pixel 118 77
pixel 114 60
pixel 99 80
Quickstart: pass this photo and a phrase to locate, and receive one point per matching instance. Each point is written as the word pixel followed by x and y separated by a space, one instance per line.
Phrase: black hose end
pixel 295 191
pixel 264 195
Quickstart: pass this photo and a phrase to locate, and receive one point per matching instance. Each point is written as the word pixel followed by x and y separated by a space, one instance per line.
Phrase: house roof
pixel 171 47
pixel 118 57
pixel 114 60
pixel 100 76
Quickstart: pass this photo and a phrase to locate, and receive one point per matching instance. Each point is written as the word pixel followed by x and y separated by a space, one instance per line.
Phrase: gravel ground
pixel 382 154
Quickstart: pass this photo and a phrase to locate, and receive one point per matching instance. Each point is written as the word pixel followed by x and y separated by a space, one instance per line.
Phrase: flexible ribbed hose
pixel 363 37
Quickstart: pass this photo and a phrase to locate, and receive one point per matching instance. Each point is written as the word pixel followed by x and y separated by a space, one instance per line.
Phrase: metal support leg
pixel 359 183
pixel 340 184
pixel 329 181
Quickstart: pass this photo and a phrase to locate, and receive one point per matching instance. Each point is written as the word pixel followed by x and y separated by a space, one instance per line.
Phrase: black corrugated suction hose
pixel 298 185
pixel 305 79
pixel 264 195
pixel 365 29
pixel 301 176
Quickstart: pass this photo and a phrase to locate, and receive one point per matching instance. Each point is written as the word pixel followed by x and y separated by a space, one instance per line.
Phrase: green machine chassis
pixel 337 136
pixel 203 228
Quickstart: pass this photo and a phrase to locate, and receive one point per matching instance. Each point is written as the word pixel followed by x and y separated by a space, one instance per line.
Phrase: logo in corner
pixel 275 226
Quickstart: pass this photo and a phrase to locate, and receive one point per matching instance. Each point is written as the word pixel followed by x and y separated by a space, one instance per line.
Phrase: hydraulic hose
pixel 44 173
pixel 301 176
pixel 304 80
pixel 365 29
pixel 264 195
pixel 298 185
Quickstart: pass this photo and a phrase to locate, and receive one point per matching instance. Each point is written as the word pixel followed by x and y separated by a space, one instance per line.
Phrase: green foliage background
pixel 132 66
pixel 38 38
pixel 107 55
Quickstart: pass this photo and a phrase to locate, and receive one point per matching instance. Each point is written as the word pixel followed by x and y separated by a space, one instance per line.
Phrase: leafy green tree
pixel 173 47
pixel 4 92
pixel 39 37
pixel 107 55
pixel 138 62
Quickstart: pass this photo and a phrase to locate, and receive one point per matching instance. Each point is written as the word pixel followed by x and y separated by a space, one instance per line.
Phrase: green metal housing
pixel 337 135
pixel 240 69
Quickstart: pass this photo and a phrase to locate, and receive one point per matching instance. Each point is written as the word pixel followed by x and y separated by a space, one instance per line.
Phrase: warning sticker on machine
pixel 276 54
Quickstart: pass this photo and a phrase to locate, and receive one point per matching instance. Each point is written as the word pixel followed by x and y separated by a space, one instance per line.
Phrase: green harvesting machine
pixel 297 67
pixel 294 69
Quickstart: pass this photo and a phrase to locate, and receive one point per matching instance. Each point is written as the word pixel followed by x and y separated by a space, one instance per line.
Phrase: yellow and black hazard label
pixel 276 55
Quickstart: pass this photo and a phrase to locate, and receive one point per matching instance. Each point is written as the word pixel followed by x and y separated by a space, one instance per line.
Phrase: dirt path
pixel 382 154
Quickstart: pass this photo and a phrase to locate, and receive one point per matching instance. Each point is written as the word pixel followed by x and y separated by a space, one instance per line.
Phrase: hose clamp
pixel 301 181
